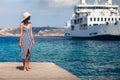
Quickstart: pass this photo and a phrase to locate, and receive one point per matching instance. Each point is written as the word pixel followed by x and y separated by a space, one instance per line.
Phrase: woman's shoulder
pixel 21 24
pixel 30 24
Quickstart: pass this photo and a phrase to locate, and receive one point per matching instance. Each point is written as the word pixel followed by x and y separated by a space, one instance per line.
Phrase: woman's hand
pixel 33 42
pixel 20 44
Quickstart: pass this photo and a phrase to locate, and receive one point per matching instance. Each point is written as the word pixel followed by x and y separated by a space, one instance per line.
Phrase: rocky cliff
pixel 38 31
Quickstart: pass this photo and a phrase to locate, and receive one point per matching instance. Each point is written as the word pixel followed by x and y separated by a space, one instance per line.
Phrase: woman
pixel 26 40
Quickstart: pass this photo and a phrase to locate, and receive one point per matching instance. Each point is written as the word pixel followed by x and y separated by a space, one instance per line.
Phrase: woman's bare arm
pixel 32 35
pixel 21 34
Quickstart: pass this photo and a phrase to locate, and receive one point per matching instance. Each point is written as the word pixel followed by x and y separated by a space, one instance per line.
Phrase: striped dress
pixel 26 42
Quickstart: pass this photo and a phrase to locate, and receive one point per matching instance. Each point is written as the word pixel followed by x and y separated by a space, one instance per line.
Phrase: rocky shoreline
pixel 38 31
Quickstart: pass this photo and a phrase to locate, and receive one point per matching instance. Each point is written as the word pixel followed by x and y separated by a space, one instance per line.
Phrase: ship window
pixel 92 8
pixel 85 26
pixel 75 21
pixel 106 8
pixel 101 19
pixel 115 8
pixel 80 27
pixel 98 19
pixel 72 28
pixel 80 7
pixel 78 21
pixel 108 19
pixel 95 24
pixel 107 23
pixel 112 19
pixel 81 19
pixel 90 19
pixel 115 19
pixel 105 19
pixel 119 18
pixel 94 19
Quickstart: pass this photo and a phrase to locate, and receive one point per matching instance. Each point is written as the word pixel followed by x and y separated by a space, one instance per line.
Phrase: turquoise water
pixel 87 59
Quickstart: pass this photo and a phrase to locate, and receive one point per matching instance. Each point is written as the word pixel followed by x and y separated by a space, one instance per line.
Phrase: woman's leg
pixel 27 60
pixel 24 64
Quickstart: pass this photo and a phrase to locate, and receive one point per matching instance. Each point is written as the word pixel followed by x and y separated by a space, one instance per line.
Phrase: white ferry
pixel 98 21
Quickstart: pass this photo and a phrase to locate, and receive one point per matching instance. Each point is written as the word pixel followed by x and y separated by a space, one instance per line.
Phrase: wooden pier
pixel 38 71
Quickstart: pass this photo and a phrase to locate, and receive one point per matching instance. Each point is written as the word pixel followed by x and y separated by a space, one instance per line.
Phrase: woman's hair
pixel 26 20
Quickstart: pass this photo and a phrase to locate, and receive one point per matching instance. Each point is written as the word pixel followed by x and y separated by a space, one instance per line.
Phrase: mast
pixel 96 2
pixel 83 2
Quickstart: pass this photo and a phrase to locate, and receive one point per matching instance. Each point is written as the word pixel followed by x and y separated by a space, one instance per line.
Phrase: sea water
pixel 87 59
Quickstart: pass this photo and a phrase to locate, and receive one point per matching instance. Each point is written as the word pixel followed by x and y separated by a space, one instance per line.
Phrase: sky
pixel 54 13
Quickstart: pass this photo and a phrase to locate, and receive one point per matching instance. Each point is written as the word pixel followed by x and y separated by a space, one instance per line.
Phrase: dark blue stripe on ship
pixel 101 37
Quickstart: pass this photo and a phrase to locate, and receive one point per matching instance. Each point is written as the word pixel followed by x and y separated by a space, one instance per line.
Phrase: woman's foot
pixel 25 69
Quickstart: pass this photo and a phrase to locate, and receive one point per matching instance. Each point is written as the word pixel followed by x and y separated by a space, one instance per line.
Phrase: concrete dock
pixel 38 71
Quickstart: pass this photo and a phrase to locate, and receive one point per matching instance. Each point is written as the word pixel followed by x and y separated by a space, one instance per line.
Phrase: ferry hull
pixel 101 32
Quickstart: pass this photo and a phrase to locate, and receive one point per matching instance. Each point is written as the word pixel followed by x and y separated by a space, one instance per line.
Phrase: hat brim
pixel 25 18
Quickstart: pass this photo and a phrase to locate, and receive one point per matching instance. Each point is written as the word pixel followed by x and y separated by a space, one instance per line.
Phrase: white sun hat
pixel 26 15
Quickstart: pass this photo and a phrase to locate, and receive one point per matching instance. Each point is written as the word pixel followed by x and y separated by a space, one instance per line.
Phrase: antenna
pixel 109 2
